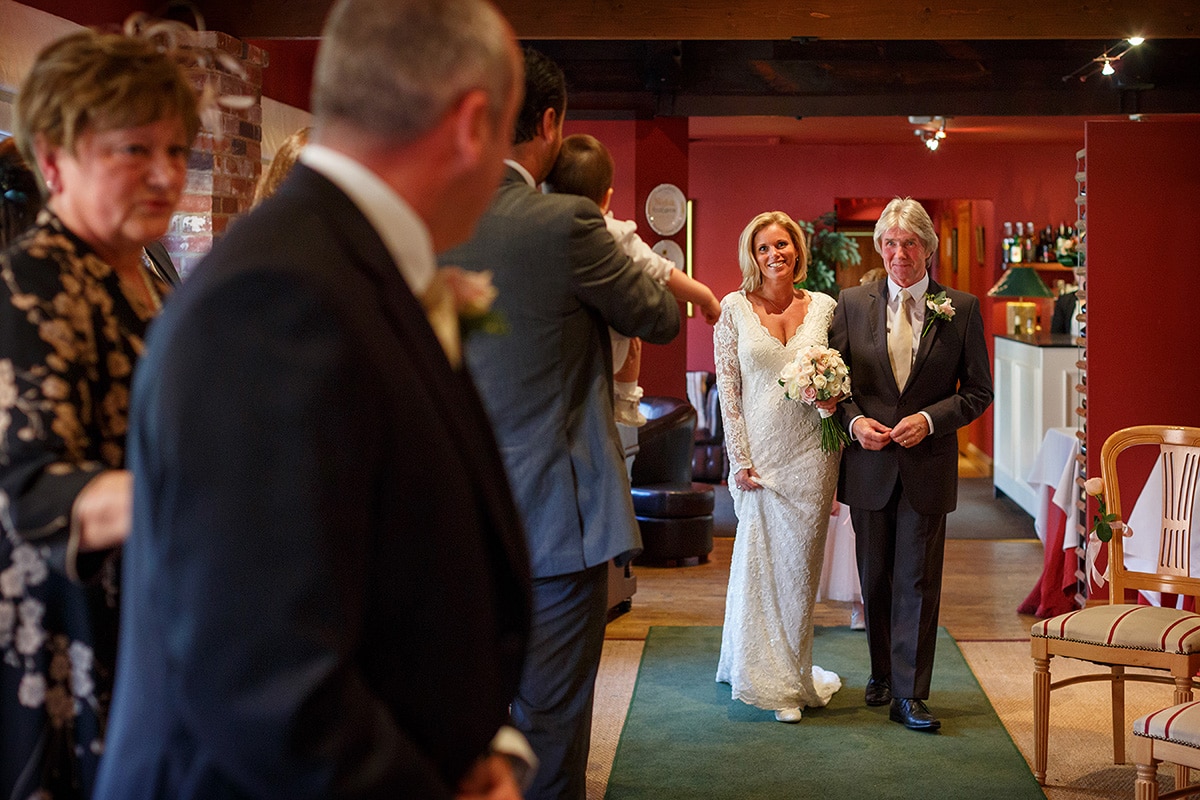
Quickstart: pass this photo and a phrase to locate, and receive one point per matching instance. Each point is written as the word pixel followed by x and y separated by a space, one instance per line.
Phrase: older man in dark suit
pixel 327 588
pixel 919 364
pixel 547 386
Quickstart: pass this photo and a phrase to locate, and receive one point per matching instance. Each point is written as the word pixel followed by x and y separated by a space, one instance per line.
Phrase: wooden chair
pixel 1171 735
pixel 1120 635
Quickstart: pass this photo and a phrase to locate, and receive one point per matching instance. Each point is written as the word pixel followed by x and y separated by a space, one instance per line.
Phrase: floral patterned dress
pixel 69 339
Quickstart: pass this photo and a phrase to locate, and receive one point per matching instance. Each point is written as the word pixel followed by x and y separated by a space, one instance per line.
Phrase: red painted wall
pixel 732 183
pixel 1142 180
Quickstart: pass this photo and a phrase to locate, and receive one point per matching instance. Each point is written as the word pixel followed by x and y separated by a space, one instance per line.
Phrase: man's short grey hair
pixel 907 215
pixel 395 67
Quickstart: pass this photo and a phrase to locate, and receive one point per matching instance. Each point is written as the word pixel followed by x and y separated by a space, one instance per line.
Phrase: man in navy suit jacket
pixel 326 591
pixel 900 474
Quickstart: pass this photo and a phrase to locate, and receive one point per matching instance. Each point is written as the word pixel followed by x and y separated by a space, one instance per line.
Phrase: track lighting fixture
pixel 931 138
pixel 1104 62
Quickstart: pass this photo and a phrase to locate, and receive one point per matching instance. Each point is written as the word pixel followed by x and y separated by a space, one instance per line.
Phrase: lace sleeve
pixel 729 384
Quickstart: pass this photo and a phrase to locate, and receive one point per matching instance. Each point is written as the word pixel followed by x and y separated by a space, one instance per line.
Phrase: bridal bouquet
pixel 818 373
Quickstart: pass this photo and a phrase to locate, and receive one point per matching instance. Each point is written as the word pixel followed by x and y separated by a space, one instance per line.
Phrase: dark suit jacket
pixel 547 384
pixel 950 380
pixel 1064 312
pixel 326 588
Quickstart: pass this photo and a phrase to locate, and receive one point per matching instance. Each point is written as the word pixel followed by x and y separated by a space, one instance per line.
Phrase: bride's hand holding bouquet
pixel 819 377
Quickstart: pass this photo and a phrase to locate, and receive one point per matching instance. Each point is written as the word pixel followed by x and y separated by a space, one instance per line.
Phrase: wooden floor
pixel 983 583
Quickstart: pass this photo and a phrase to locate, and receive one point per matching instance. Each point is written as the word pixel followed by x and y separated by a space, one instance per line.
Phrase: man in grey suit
pixel 919 375
pixel 547 386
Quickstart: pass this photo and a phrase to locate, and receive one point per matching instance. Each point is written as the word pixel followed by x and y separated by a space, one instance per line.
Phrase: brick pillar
pixel 221 171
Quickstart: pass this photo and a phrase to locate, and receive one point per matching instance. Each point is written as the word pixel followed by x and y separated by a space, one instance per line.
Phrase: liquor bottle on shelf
pixel 1064 245
pixel 1030 249
pixel 1046 244
pixel 1017 248
pixel 1006 243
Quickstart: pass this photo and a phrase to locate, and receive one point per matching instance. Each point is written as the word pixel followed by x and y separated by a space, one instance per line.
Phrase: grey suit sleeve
pixel 607 280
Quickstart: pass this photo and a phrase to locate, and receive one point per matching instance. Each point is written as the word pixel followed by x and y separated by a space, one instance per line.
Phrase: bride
pixel 782 483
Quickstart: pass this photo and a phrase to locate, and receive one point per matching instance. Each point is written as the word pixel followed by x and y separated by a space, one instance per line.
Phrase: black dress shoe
pixel 879 691
pixel 913 714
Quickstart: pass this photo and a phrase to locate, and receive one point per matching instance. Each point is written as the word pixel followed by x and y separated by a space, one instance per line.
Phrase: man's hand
pixel 871 434
pixel 490 779
pixel 910 431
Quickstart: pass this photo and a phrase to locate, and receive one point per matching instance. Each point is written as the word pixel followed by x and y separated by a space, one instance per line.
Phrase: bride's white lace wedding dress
pixel 766 645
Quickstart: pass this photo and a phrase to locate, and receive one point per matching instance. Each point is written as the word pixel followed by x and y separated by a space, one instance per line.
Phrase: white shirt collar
pixel 404 234
pixel 526 174
pixel 916 291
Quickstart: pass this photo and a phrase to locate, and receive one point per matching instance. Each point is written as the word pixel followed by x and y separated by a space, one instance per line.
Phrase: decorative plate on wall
pixel 669 249
pixel 666 209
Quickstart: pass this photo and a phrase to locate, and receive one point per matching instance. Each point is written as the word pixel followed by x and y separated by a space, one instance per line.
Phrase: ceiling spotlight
pixel 1134 41
pixel 931 138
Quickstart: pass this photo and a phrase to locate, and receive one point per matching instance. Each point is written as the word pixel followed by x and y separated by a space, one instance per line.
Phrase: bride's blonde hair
pixel 751 276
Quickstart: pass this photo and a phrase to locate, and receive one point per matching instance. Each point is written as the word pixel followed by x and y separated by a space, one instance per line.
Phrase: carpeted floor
pixel 685 737
pixel 1080 755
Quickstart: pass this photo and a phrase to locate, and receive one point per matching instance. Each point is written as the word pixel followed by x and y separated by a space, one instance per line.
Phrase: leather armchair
pixel 709 462
pixel 673 513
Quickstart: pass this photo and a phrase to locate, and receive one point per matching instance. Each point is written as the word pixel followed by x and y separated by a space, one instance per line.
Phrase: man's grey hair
pixel 907 215
pixel 395 67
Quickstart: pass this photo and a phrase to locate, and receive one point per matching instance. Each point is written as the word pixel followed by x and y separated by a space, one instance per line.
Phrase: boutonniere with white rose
pixel 937 306
pixel 473 295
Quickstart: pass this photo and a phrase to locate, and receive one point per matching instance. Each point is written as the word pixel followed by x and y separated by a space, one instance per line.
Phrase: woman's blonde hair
pixel 90 81
pixel 285 158
pixel 751 276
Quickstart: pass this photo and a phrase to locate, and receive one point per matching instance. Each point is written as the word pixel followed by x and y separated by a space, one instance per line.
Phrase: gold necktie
pixel 438 302
pixel 900 341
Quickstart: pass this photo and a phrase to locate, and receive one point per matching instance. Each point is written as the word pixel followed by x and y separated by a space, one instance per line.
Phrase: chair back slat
pixel 1180 469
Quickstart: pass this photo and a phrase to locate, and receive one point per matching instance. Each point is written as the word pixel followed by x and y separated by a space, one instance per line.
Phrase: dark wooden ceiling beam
pixel 769 19
pixel 625 105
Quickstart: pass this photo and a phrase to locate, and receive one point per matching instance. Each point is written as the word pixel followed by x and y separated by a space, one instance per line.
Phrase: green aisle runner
pixel 686 738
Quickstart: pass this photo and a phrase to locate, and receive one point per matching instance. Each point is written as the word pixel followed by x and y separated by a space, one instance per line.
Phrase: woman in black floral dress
pixel 108 121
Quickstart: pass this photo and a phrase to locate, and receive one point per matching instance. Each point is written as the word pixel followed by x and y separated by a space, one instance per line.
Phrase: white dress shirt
pixel 917 292
pixel 404 234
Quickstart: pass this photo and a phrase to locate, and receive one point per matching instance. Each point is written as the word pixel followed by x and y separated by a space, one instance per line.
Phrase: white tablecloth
pixel 1053 474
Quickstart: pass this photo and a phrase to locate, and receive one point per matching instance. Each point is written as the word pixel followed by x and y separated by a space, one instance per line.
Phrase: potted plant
pixel 827 248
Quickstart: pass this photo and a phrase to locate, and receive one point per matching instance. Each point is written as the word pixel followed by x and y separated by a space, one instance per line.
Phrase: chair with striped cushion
pixel 1120 635
pixel 1171 735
